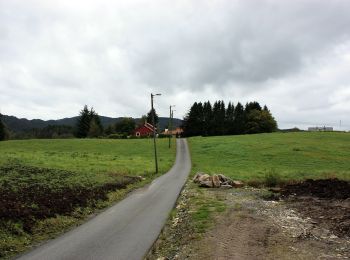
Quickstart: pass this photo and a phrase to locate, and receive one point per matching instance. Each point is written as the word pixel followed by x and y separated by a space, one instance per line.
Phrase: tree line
pixel 89 125
pixel 205 119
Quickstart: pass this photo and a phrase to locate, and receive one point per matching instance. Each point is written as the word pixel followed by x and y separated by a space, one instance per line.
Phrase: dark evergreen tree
pixel 149 117
pixel 229 120
pixel 238 119
pixel 252 105
pixel 88 124
pixel 3 130
pixel 207 119
pixel 219 118
pixel 83 123
pixel 222 118
pixel 193 122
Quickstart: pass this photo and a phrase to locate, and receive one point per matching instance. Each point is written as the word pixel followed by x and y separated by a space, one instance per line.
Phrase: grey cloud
pixel 252 42
pixel 57 56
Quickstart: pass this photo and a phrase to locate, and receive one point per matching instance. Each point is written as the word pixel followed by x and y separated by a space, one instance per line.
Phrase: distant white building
pixel 320 129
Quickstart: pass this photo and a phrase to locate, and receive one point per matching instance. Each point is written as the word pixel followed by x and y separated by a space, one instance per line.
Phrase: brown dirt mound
pixel 326 202
pixel 325 189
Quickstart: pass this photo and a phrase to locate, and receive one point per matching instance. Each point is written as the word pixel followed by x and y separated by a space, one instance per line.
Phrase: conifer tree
pixel 88 124
pixel 3 130
pixel 83 123
pixel 229 119
pixel 193 122
pixel 207 119
pixel 219 118
pixel 210 120
pixel 149 117
pixel 239 119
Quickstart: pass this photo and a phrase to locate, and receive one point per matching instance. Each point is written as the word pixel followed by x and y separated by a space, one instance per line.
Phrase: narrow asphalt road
pixel 128 229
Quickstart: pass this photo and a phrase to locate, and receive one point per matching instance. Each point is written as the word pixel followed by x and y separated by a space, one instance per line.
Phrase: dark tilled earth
pixel 326 202
pixel 29 200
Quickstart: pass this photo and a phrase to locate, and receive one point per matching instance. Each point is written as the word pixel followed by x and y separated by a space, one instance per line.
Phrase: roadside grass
pixel 49 186
pixel 203 206
pixel 275 157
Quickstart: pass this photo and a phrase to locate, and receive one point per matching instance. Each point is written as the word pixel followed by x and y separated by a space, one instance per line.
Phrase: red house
pixel 145 130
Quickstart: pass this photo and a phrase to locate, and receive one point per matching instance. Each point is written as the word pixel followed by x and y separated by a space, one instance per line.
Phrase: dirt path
pixel 254 228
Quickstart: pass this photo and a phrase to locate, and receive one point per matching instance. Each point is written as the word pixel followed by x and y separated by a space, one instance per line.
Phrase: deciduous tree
pixel 126 126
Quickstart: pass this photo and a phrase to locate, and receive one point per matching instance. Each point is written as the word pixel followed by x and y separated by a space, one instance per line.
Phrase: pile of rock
pixel 216 181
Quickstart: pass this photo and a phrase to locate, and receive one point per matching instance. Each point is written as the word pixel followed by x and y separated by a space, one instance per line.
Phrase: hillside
pixel 22 124
pixel 290 156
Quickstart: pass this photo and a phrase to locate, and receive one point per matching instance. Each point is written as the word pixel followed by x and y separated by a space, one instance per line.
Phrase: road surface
pixel 128 229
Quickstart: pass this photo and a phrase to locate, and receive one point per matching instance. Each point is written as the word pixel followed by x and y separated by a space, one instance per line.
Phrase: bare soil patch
pixel 31 200
pixel 326 202
pixel 310 222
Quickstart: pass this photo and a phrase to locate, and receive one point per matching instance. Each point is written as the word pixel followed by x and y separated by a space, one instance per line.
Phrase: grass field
pixel 289 155
pixel 134 156
pixel 46 186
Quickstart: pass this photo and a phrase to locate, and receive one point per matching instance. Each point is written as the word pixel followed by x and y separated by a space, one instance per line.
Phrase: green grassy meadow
pixel 292 156
pixel 48 186
pixel 97 156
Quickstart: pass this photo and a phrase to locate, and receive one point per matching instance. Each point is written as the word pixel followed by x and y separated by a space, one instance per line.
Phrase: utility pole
pixel 154 132
pixel 170 124
pixel 172 117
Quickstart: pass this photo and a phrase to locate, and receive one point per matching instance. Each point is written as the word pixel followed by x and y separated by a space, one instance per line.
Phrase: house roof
pixel 146 126
pixel 149 126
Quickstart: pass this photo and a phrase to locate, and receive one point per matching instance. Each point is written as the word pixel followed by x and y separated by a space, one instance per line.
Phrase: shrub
pixel 272 178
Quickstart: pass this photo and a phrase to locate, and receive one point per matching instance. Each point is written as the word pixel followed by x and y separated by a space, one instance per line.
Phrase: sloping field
pixel 46 186
pixel 289 155
pixel 134 156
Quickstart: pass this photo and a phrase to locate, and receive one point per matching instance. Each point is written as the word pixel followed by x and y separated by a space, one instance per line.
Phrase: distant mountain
pixel 15 124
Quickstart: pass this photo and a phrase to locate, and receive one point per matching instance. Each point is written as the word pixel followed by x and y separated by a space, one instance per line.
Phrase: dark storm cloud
pixel 292 55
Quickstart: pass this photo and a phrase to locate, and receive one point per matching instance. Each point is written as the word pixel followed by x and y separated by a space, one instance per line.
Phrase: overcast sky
pixel 293 56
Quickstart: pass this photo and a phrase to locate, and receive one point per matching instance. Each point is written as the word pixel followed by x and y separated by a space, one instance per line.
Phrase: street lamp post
pixel 154 132
pixel 170 124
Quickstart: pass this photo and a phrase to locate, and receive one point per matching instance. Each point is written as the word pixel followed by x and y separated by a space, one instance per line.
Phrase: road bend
pixel 128 229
